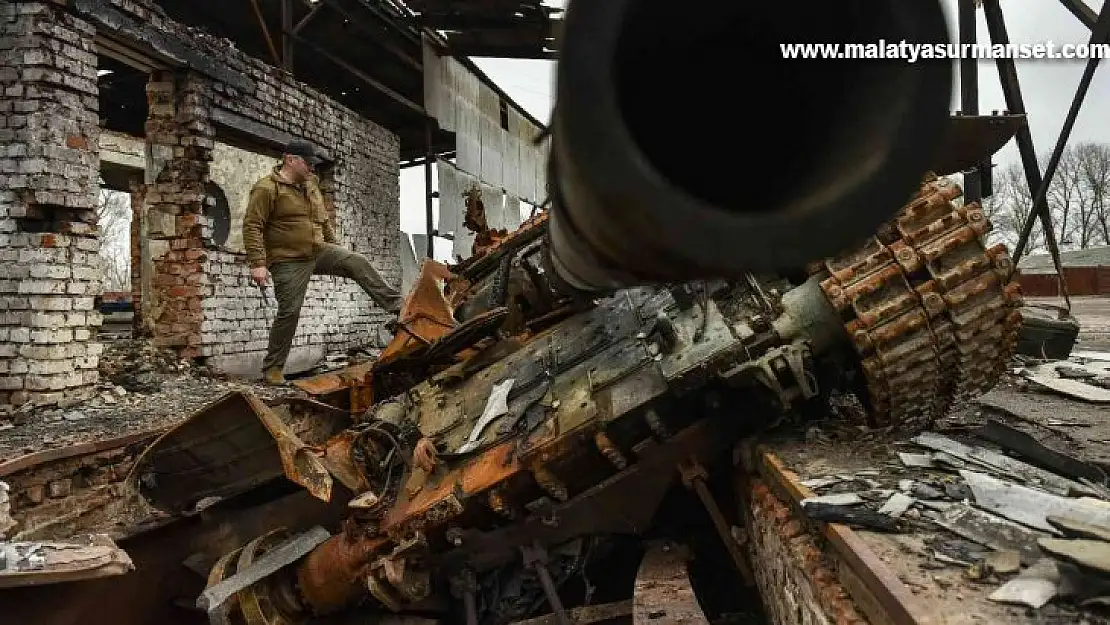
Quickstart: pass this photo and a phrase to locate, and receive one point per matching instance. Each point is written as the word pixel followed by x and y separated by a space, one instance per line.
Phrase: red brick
pixel 183 291
pixel 77 142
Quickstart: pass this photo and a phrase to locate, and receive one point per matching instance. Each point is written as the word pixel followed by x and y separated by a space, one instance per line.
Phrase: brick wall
pixel 49 165
pixel 48 190
pixel 206 304
pixel 179 109
pixel 57 493
pixel 799 585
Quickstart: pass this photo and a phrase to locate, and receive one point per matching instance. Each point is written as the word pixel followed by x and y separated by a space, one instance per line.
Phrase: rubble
pixel 1025 523
pixel 48 562
pixel 143 389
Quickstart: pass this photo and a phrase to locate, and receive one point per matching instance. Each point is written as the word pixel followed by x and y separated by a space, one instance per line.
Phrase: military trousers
pixel 291 280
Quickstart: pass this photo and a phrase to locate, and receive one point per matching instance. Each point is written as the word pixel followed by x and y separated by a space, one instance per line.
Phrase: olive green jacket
pixel 285 221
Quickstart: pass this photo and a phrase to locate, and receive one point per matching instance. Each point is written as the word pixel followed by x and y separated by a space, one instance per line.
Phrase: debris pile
pixel 1085 375
pixel 134 365
pixel 993 501
pixel 46 562
pixel 143 389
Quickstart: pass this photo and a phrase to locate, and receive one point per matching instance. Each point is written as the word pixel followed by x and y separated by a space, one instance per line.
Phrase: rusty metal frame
pixel 299 26
pixel 266 32
pixel 361 75
pixel 885 598
pixel 1100 34
pixel 286 35
pixel 1011 90
pixel 1099 24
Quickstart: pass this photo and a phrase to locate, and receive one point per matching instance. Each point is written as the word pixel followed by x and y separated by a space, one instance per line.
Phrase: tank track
pixel 932 312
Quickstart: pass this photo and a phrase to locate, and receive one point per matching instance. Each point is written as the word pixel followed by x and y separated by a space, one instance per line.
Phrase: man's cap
pixel 304 150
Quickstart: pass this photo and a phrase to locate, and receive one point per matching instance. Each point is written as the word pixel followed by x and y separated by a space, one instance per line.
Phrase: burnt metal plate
pixel 616 363
pixel 221 450
pixel 971 139
pixel 690 354
pixel 631 392
pixel 467 334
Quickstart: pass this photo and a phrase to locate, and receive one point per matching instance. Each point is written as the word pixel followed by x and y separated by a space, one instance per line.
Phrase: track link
pixel 932 312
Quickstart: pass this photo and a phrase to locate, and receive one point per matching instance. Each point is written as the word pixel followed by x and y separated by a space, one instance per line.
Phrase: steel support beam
pixel 1011 90
pixel 1082 12
pixel 1098 36
pixel 361 75
pixel 415 162
pixel 969 93
pixel 374 37
pixel 429 156
pixel 308 18
pixel 287 35
pixel 266 32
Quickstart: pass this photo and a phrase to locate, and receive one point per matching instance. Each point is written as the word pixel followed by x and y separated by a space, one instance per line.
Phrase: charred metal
pixel 544 404
pixel 513 428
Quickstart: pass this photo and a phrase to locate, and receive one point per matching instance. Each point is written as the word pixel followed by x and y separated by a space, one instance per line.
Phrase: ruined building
pixel 133 95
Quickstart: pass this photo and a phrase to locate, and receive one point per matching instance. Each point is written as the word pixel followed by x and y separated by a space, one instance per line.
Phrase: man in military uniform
pixel 288 236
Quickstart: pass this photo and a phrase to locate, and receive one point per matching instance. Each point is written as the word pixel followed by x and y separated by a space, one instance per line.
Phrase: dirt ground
pixel 142 390
pixel 1093 314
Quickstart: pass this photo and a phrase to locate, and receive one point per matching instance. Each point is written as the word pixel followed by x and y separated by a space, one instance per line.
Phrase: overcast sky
pixel 1047 86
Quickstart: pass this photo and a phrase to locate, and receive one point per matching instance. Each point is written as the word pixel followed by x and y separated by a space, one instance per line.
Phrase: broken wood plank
pixel 853 516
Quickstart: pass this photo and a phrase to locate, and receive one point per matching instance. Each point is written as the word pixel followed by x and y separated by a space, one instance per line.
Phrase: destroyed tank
pixel 549 392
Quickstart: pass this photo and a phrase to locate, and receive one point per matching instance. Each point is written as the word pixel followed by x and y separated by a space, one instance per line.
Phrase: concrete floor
pixel 1093 313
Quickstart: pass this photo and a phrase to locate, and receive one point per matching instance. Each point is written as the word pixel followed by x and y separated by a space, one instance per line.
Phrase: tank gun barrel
pixel 657 172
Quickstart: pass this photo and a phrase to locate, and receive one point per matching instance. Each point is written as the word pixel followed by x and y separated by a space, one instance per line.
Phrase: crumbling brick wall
pixel 48 193
pixel 205 304
pixel 49 165
pixel 56 493
pixel 178 109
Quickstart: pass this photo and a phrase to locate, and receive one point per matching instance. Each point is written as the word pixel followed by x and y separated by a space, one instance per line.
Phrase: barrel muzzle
pixel 686 145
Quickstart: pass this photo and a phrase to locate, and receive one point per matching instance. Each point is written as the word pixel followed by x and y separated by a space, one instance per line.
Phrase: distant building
pixel 1087 272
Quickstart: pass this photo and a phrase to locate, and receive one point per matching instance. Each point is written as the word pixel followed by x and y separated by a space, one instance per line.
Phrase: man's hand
pixel 260 275
pixel 424 456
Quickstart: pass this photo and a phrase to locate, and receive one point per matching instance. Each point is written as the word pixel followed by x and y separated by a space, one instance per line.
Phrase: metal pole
pixel 1082 12
pixel 286 39
pixel 428 215
pixel 1011 89
pixel 1099 36
pixel 969 93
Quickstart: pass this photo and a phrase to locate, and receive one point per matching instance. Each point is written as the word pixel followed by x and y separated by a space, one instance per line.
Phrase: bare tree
pixel 1078 200
pixel 1009 206
pixel 113 213
pixel 1094 171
